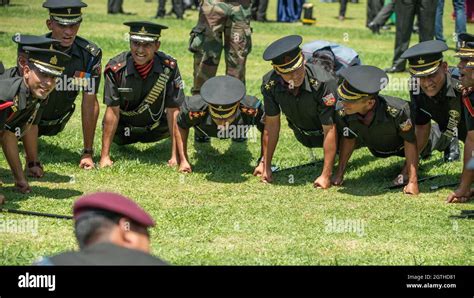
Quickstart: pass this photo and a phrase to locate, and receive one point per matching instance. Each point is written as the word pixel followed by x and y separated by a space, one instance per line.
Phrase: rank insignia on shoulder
pixel 248 111
pixel 198 114
pixel 392 111
pixel 314 82
pixel 406 126
pixel 329 100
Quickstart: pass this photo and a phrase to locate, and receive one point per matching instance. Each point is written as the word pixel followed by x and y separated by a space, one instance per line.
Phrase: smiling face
pixel 143 52
pixel 432 84
pixel 467 73
pixel 64 33
pixel 39 84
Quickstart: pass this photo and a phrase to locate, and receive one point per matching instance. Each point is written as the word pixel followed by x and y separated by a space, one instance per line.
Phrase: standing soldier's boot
pixel 452 153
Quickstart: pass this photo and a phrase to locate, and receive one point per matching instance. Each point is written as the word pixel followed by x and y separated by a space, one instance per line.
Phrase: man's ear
pixel 158 44
pixel 49 24
pixel 22 61
pixel 26 71
pixel 444 66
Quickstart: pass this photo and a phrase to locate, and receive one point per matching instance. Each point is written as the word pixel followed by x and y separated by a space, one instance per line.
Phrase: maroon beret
pixel 115 203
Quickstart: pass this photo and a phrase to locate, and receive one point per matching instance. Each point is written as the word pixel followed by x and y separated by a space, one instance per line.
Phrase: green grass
pixel 221 214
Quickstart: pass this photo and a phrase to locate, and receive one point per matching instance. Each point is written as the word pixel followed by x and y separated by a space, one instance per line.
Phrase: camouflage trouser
pixel 222 25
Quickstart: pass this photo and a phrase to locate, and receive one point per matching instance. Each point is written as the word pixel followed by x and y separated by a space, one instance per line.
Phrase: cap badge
pixel 53 60
pixel 69 10
pixel 421 61
pixel 143 31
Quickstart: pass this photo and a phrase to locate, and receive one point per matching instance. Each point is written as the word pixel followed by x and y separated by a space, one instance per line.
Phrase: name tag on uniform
pixel 125 90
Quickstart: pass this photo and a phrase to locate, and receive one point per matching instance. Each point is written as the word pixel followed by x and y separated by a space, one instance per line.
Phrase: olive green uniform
pixel 468 108
pixel 125 88
pixel 103 254
pixel 390 127
pixel 445 109
pixel 194 113
pixel 222 25
pixel 10 73
pixel 86 59
pixel 25 110
pixel 308 109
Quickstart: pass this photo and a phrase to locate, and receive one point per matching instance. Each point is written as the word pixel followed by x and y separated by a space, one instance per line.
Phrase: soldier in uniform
pixel 222 110
pixel 439 99
pixel 143 92
pixel 466 68
pixel 111 230
pixel 81 74
pixel 22 40
pixel 221 25
pixel 29 94
pixel 305 93
pixel 383 123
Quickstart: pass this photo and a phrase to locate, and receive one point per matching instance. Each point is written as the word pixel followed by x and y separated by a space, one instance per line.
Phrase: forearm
pixel 171 116
pixel 10 150
pixel 330 147
pixel 182 143
pixel 345 151
pixel 466 176
pixel 111 119
pixel 30 143
pixel 270 140
pixel 411 156
pixel 90 114
pixel 422 133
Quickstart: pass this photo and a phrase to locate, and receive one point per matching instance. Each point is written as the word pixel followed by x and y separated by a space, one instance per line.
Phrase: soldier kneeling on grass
pixel 383 123
pixel 28 95
pixel 221 111
pixel 143 92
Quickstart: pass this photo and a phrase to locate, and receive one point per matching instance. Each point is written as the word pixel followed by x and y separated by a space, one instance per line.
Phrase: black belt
pixel 58 121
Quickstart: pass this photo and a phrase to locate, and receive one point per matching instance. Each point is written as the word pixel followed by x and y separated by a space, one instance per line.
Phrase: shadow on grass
pixel 233 166
pixel 6 176
pixel 51 153
pixel 13 197
pixel 158 152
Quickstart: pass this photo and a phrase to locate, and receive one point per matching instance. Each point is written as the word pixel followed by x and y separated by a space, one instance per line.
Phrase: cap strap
pixel 232 110
pixel 46 64
pixel 426 64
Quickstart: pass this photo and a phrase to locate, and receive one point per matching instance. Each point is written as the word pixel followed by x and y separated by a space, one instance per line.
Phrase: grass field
pixel 221 214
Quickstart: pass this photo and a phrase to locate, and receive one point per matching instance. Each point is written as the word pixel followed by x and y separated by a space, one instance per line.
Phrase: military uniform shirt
pixel 86 59
pixel 125 87
pixel 468 108
pixel 194 112
pixel 24 106
pixel 311 108
pixel 445 108
pixel 10 73
pixel 390 127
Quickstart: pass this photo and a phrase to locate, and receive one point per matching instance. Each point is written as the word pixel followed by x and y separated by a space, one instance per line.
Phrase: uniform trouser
pixel 343 8
pixel 373 8
pixel 51 130
pixel 225 26
pixel 315 139
pixel 259 9
pixel 114 6
pixel 425 10
pixel 126 134
pixel 177 7
pixel 437 140
pixel 4 2
pixel 460 24
pixel 384 14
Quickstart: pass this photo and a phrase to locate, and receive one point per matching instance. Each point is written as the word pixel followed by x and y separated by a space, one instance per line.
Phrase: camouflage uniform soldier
pixel 222 25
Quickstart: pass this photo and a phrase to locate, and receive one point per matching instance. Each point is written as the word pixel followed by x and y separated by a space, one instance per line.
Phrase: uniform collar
pixel 379 112
pixel 157 67
pixel 450 91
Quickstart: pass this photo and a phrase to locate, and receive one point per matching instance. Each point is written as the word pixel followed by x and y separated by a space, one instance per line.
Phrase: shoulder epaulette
pixel 90 47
